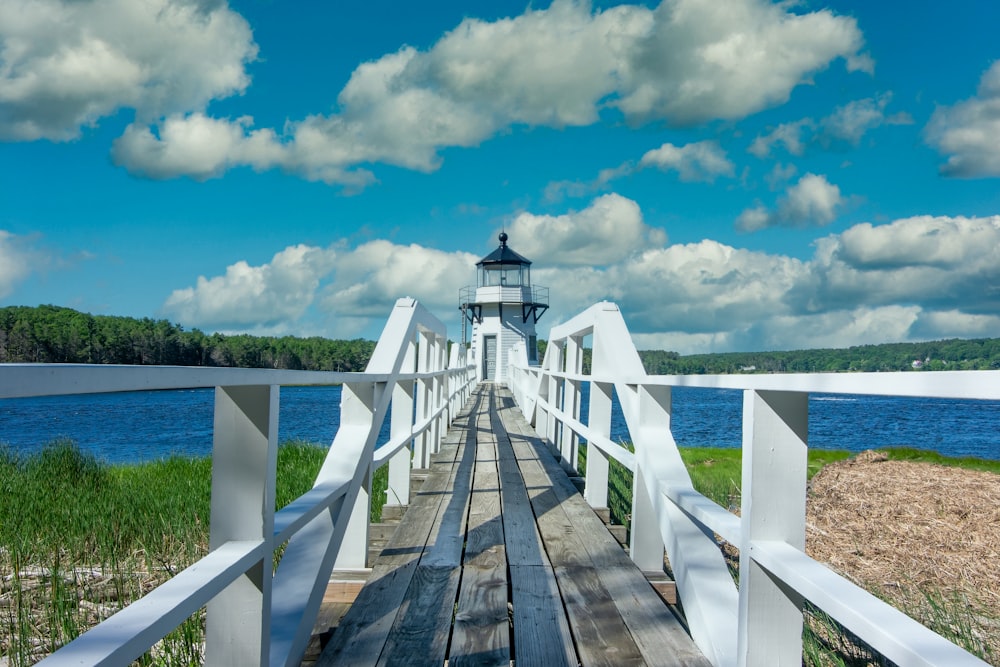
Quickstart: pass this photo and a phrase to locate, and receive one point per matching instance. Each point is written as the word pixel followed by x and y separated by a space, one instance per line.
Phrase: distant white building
pixel 503 308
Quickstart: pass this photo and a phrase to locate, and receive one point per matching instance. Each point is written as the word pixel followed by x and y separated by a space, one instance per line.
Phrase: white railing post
pixel 353 553
pixel 424 445
pixel 775 452
pixel 244 460
pixel 645 542
pixel 398 491
pixel 569 440
pixel 552 391
pixel 596 488
pixel 440 397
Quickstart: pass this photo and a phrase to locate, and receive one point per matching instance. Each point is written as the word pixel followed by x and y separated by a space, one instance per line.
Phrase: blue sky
pixel 737 175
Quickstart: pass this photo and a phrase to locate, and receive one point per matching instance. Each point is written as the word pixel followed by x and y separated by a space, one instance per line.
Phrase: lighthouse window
pixel 507 276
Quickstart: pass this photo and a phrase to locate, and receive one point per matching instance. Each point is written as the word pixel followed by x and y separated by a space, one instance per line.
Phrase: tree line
pixel 62 335
pixel 954 354
pixel 54 334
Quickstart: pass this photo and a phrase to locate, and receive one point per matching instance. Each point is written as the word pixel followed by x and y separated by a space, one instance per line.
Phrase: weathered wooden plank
pixel 362 634
pixel 541 629
pixel 419 634
pixel 481 635
pixel 601 635
pixel 655 630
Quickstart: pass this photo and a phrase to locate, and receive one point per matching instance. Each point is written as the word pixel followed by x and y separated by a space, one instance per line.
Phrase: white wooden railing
pixel 255 617
pixel 760 621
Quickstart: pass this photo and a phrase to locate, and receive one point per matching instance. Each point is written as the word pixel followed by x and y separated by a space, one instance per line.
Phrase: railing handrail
pixel 269 622
pixel 758 623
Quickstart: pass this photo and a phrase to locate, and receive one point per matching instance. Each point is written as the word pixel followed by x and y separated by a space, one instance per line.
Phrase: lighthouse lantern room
pixel 502 308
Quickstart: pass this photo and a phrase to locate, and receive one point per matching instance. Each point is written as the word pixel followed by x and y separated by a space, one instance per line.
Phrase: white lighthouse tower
pixel 503 308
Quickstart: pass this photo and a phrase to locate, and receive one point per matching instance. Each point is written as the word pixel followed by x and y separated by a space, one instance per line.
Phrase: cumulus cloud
pixel 703 59
pixel 700 161
pixel 969 132
pixel 371 277
pixel 812 201
pixel 66 64
pixel 605 232
pixel 788 134
pixel 687 61
pixel 850 122
pixel 911 279
pixel 935 262
pixel 254 296
pixel 847 124
pixel 195 145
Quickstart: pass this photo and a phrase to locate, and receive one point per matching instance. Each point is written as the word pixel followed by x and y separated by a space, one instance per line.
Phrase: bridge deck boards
pixel 500 560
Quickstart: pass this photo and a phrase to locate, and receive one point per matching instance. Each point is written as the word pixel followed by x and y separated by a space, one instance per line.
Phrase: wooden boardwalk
pixel 500 561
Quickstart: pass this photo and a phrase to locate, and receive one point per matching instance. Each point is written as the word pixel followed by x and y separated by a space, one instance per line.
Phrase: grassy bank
pixel 954 612
pixel 79 539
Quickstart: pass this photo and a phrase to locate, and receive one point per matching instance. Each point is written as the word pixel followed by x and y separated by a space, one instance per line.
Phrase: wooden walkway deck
pixel 500 561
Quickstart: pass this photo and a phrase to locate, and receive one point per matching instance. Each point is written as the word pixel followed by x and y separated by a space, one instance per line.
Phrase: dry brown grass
pixel 913 533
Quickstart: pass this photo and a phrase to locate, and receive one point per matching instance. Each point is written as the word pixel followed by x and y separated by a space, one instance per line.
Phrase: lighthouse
pixel 502 308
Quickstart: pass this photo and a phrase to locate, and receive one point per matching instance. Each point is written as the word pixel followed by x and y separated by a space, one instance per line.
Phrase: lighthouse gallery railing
pixel 758 622
pixel 254 616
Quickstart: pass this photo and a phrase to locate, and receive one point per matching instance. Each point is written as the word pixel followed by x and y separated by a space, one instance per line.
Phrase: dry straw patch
pixel 903 529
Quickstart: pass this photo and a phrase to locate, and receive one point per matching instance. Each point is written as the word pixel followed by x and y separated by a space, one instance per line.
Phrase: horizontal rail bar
pixel 708 513
pixel 133 630
pixel 603 443
pixel 30 380
pixel 976 385
pixel 385 452
pixel 296 514
pixel 886 629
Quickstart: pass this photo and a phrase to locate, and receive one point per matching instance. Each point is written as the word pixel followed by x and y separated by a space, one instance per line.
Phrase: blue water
pixel 142 426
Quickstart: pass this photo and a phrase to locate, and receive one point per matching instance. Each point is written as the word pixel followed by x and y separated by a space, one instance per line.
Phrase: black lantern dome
pixel 504 268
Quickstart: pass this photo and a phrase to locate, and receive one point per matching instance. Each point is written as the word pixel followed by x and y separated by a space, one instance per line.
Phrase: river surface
pixel 142 426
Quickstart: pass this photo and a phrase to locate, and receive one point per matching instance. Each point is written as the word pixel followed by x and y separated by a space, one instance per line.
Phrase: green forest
pixel 62 335
pixel 952 355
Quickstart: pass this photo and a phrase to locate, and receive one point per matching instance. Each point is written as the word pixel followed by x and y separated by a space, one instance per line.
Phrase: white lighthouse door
pixel 489 358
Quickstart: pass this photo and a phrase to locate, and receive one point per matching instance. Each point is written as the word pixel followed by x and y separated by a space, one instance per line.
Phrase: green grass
pixel 717 474
pixel 65 516
pixel 89 538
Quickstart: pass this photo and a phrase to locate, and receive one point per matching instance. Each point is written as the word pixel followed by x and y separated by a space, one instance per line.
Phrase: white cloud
pixel 937 263
pixel 605 232
pixel 701 161
pixel 688 61
pixel 912 279
pixel 254 296
pixel 969 132
pixel 704 59
pixel 16 261
pixel 66 64
pixel 789 134
pixel 850 122
pixel 195 145
pixel 812 201
pixel 370 278
pixel 847 124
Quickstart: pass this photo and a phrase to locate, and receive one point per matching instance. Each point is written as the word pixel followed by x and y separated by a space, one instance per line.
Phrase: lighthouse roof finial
pixel 503 255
